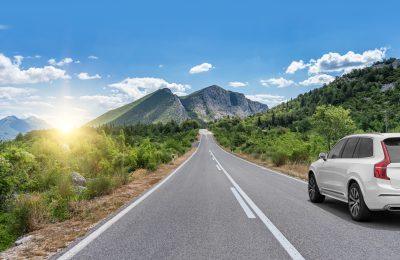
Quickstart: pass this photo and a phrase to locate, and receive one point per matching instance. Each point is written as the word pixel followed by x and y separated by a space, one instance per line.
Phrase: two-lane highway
pixel 218 206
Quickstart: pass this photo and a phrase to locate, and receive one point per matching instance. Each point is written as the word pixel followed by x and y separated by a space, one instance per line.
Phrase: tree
pixel 332 123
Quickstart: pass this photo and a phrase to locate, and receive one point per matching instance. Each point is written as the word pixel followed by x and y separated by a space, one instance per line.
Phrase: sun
pixel 66 124
pixel 65 120
pixel 65 128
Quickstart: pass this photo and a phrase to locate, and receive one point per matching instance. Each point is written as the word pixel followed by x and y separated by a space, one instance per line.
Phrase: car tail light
pixel 381 167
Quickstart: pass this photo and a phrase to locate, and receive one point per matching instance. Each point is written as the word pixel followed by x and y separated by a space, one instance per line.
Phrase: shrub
pixel 7 235
pixel 58 198
pixel 279 158
pixel 300 154
pixel 7 181
pixel 121 178
pixel 99 186
pixel 29 213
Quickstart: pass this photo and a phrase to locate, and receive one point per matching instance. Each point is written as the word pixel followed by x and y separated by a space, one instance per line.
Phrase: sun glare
pixel 65 128
pixel 67 123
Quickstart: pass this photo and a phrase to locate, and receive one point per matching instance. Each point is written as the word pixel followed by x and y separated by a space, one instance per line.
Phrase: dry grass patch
pixel 297 170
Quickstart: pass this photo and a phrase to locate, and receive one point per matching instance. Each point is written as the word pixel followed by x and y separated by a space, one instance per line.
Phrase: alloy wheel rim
pixel 354 201
pixel 311 187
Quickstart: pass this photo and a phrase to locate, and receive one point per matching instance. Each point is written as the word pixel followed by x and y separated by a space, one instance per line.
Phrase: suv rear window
pixel 393 147
pixel 364 148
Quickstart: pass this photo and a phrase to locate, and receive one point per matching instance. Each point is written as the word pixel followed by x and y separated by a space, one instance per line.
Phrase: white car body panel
pixel 334 175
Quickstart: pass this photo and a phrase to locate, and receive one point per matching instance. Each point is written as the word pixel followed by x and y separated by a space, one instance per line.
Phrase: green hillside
pixel 159 107
pixel 114 114
pixel 364 100
pixel 372 94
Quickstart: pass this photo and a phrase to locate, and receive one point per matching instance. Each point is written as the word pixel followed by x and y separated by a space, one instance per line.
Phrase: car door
pixel 340 175
pixel 329 167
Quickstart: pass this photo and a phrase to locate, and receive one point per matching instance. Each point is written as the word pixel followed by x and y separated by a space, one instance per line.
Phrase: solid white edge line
pixel 290 249
pixel 245 208
pixel 92 236
pixel 262 167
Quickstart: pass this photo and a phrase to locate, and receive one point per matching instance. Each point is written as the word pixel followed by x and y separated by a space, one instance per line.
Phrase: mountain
pixel 162 105
pixel 371 94
pixel 215 102
pixel 11 126
pixel 159 106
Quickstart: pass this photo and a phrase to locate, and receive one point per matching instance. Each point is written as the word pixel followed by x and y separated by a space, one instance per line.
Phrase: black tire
pixel 313 190
pixel 357 207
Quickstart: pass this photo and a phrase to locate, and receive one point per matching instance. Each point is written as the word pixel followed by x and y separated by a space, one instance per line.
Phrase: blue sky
pixel 139 46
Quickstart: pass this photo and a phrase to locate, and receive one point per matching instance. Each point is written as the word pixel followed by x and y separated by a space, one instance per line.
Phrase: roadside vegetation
pixel 43 172
pixel 295 132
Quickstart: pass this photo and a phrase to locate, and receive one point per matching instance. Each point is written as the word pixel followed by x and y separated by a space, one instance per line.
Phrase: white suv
pixel 362 170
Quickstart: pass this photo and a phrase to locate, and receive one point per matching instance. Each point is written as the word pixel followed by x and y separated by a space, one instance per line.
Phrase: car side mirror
pixel 322 156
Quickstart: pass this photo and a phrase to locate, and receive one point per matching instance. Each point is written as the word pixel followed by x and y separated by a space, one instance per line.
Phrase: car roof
pixel 376 135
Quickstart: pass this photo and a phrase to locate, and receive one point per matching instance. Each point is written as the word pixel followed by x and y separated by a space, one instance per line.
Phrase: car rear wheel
pixel 313 190
pixel 357 207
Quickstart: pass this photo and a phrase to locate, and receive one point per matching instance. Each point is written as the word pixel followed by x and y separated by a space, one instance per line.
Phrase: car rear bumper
pixel 382 196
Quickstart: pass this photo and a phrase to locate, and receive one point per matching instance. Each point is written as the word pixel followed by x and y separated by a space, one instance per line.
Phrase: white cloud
pixel 4 27
pixel 295 66
pixel 110 102
pixel 335 62
pixel 201 68
pixel 86 76
pixel 139 87
pixel 11 73
pixel 11 93
pixel 277 82
pixel 92 57
pixel 36 104
pixel 238 84
pixel 62 62
pixel 160 65
pixel 319 79
pixel 270 100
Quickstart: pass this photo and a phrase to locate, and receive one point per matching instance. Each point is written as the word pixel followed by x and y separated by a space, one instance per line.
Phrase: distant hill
pixel 10 126
pixel 372 94
pixel 162 106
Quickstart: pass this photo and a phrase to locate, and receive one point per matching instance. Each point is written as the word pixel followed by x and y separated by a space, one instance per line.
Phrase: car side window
pixel 364 148
pixel 335 152
pixel 350 147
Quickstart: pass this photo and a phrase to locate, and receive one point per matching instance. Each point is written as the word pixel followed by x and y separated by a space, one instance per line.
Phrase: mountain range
pixel 205 105
pixel 11 126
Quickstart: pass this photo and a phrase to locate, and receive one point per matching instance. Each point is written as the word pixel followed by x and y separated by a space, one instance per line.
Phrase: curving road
pixel 218 206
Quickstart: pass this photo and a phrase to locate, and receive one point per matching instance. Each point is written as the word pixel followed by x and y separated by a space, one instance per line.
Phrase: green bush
pixel 29 213
pixel 279 158
pixel 58 198
pixel 7 234
pixel 7 181
pixel 99 186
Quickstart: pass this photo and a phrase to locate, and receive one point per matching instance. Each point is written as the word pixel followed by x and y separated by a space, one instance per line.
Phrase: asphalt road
pixel 218 206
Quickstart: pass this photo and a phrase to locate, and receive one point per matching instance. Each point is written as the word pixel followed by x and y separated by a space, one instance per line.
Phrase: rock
pixel 388 86
pixel 23 240
pixel 80 189
pixel 77 179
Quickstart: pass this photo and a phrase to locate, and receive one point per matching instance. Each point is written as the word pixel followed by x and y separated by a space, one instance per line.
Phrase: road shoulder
pixel 298 171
